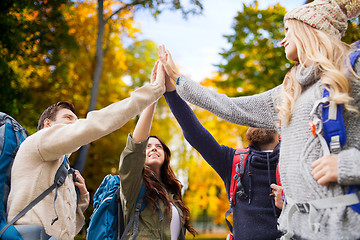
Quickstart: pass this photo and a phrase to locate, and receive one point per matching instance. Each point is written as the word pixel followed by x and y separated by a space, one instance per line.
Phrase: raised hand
pixel 143 126
pixel 158 75
pixel 154 72
pixel 166 60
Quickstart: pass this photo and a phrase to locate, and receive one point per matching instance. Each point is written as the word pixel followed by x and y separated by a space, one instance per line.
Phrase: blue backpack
pixel 107 219
pixel 12 134
pixel 330 129
pixel 334 127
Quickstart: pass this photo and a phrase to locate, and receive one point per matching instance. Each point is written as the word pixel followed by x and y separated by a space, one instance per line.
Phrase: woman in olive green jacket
pixel 146 160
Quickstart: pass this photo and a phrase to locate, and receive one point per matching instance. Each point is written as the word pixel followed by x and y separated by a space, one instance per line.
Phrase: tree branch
pixel 126 6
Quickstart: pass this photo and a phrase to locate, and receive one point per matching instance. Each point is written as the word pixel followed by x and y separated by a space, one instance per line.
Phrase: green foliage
pixel 256 61
pixel 157 6
pixel 140 60
pixel 353 32
pixel 34 36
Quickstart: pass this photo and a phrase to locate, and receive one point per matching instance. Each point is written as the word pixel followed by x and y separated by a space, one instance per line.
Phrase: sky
pixel 195 43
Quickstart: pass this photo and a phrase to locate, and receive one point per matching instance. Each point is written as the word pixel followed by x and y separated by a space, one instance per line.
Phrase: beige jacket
pixel 41 154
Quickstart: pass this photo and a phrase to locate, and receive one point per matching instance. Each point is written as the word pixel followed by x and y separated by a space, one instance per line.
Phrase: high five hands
pixel 158 75
pixel 324 169
pixel 169 67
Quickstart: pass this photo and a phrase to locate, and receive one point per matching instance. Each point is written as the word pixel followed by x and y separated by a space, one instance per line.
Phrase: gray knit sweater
pixel 299 148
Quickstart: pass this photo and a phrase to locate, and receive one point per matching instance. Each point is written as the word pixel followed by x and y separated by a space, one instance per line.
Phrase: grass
pixel 207 236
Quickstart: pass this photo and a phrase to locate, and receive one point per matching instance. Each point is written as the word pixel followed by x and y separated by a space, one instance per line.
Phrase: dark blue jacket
pixel 254 217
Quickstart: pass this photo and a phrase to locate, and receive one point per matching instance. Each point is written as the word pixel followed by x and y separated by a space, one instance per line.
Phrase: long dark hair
pixel 156 189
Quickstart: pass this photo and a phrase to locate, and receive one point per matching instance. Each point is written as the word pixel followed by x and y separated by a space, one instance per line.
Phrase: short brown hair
pixel 259 136
pixel 51 111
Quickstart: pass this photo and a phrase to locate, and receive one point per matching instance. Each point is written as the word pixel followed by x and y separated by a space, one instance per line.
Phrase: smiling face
pixel 155 154
pixel 289 44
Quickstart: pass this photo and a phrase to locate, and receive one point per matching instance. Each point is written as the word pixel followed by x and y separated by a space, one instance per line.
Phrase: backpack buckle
pixel 60 181
pixel 303 207
pixel 335 145
pixel 231 199
pixel 241 194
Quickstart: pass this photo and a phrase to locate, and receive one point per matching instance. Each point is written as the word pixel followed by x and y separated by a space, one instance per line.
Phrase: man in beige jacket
pixel 60 133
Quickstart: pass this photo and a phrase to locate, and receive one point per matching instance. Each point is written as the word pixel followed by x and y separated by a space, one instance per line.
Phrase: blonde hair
pixel 328 55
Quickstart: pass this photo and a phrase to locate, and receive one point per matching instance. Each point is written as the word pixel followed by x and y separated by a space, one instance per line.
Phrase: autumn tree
pixel 70 79
pixel 34 39
pixel 121 65
pixel 117 9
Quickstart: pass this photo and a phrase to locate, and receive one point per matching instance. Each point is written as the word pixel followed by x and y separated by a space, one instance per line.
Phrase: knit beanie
pixel 327 15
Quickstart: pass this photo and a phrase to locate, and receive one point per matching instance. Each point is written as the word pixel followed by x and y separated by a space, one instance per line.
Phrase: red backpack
pixel 238 169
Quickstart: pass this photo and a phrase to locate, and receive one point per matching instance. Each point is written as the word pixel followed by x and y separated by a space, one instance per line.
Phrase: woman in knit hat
pixel 315 181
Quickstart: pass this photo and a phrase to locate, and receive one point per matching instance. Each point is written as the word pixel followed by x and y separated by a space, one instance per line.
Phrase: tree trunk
pixel 99 61
pixel 99 58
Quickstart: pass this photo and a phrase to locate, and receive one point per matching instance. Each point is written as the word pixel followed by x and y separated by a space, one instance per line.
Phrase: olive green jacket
pixel 152 225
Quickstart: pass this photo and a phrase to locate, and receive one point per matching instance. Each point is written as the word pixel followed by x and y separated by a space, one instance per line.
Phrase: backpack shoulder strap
pixel 238 169
pixel 334 128
pixel 333 124
pixel 134 220
pixel 332 114
pixel 141 198
pixel 59 180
